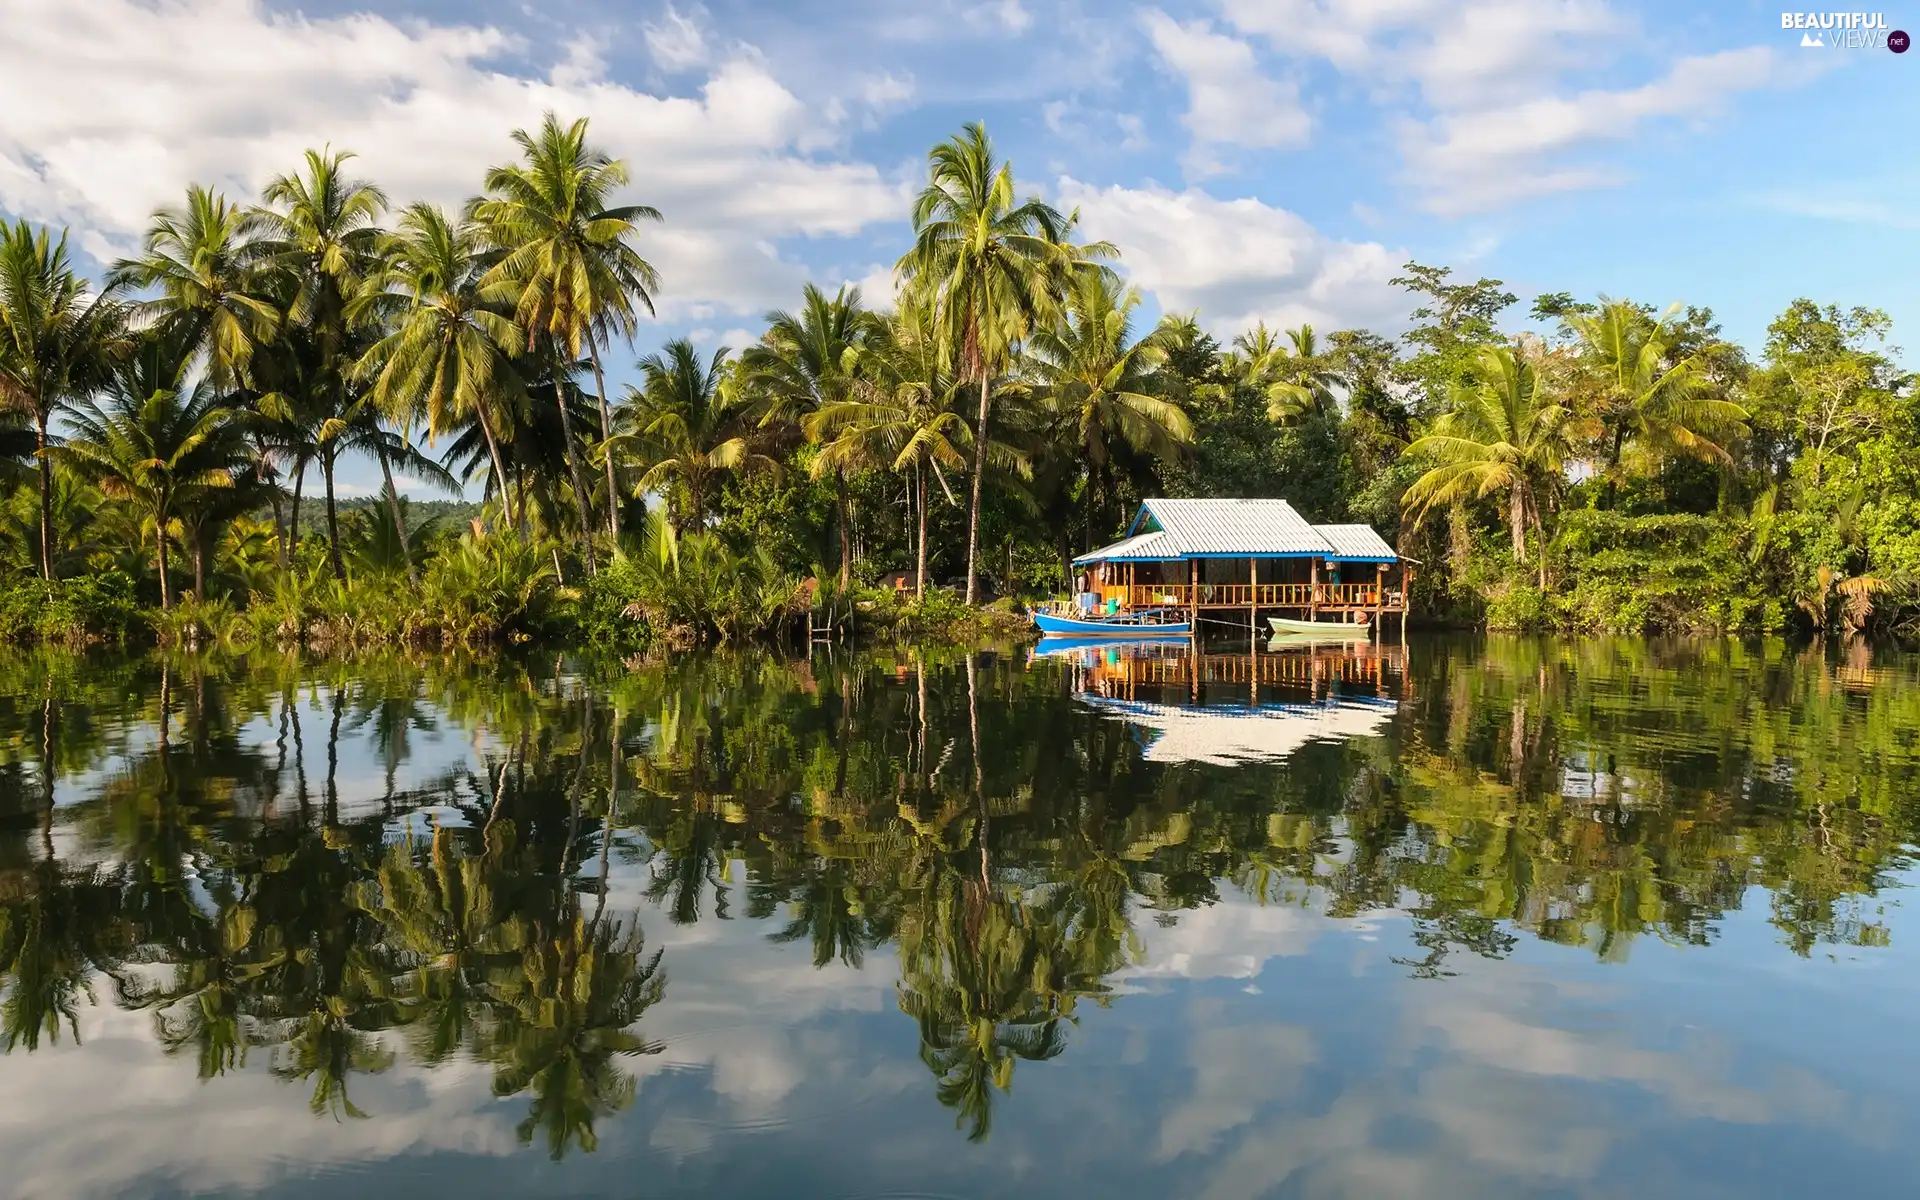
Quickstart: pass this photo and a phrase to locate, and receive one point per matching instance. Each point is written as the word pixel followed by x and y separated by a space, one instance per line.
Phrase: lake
pixel 1458 918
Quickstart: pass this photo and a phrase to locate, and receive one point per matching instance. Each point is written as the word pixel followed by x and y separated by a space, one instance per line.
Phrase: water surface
pixel 1463 918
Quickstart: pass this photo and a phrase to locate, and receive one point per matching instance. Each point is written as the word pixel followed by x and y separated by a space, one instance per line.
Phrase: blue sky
pixel 1253 159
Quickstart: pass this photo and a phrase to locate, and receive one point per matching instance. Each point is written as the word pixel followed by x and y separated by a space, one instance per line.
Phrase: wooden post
pixel 1253 594
pixel 1313 592
pixel 1193 594
pixel 1379 597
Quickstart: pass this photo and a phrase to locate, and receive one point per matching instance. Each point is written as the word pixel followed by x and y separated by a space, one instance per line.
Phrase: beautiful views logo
pixel 1843 30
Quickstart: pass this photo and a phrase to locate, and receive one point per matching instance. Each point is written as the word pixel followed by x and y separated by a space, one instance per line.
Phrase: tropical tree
pixel 806 363
pixel 1504 432
pixel 901 413
pixel 1103 386
pixel 58 340
pixel 568 263
pixel 996 269
pixel 322 235
pixel 154 436
pixel 691 423
pixel 448 358
pixel 205 266
pixel 1641 392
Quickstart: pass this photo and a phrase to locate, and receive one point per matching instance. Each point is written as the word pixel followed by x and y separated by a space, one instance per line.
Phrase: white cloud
pixel 1479 94
pixel 1229 101
pixel 1483 158
pixel 110 108
pixel 1239 261
pixel 676 41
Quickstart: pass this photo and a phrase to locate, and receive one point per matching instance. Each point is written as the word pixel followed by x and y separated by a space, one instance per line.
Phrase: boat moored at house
pixel 1235 561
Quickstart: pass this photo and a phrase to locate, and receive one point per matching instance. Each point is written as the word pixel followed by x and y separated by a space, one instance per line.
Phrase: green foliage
pixel 93 608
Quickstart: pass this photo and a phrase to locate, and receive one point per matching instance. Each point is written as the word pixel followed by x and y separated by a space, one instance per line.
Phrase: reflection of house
pixel 1238 708
pixel 1252 555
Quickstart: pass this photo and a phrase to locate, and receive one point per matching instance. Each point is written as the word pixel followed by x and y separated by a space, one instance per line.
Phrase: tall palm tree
pixel 1504 432
pixel 58 341
pixel 569 263
pixel 901 413
pixel 1297 376
pixel 805 363
pixel 448 358
pixel 321 232
pixel 153 436
pixel 996 268
pixel 691 422
pixel 1103 385
pixel 1644 395
pixel 205 266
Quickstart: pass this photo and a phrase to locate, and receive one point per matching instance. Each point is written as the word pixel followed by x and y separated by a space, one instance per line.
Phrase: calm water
pixel 1609 919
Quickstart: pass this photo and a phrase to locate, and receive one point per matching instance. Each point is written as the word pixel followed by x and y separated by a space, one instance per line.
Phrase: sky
pixel 1273 160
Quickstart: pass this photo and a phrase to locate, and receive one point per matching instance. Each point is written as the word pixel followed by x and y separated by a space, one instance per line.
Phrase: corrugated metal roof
pixel 1235 527
pixel 1232 528
pixel 1356 541
pixel 1149 546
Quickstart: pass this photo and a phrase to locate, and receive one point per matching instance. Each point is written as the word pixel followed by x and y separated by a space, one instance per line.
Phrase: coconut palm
pixel 1502 432
pixel 568 259
pixel 205 266
pixel 153 437
pixel 996 269
pixel 321 233
pixel 691 424
pixel 1101 384
pixel 1291 369
pixel 901 414
pixel 58 341
pixel 1642 395
pixel 807 362
pixel 448 359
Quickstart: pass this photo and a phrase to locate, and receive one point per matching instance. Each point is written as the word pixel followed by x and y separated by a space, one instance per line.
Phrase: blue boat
pixel 1137 623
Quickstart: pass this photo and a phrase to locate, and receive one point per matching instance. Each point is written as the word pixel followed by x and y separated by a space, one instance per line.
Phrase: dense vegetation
pixel 172 432
pixel 1011 853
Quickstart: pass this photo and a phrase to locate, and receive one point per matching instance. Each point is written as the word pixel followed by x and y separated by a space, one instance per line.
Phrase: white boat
pixel 1332 631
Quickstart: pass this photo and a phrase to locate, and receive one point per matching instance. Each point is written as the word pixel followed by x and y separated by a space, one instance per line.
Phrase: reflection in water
pixel 330 873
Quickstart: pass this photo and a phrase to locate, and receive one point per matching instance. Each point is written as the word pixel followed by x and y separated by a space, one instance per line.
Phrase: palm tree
pixel 901 413
pixel 805 363
pixel 996 270
pixel 1296 376
pixel 1502 432
pixel 57 341
pixel 1643 395
pixel 1103 385
pixel 569 264
pixel 692 423
pixel 448 359
pixel 206 269
pixel 153 437
pixel 321 232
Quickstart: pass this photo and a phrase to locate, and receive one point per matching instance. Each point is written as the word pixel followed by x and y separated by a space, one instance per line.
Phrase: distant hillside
pixel 452 514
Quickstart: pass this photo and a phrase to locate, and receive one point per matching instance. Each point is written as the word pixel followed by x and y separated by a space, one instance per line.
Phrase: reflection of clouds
pixel 93 1120
pixel 1230 939
pixel 1237 1070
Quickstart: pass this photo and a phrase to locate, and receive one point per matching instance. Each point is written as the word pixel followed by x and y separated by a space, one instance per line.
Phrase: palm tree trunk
pixel 920 563
pixel 279 532
pixel 399 519
pixel 973 510
pixel 840 516
pixel 46 495
pixel 293 527
pixel 606 431
pixel 580 496
pixel 333 519
pixel 160 557
pixel 199 564
pixel 1517 518
pixel 516 518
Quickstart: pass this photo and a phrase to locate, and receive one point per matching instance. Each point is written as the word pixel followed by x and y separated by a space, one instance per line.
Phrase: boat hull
pixel 1330 630
pixel 1057 626
pixel 1054 645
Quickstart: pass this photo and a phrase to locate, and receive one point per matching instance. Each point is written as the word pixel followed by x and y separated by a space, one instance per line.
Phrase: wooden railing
pixel 1264 595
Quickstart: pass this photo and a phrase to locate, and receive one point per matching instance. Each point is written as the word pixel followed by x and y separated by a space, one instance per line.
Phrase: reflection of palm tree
pixel 566 1021
pixel 51 940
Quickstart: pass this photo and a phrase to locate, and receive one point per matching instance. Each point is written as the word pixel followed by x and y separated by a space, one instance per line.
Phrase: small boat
pixel 1137 623
pixel 1333 631
pixel 1052 646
